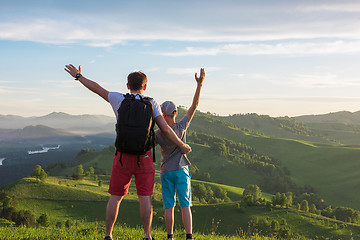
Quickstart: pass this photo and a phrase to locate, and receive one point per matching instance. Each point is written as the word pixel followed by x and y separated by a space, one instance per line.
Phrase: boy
pixel 121 173
pixel 174 170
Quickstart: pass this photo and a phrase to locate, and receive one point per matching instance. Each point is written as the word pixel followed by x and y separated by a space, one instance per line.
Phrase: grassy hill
pixel 84 203
pixel 94 231
pixel 331 169
pixel 343 126
pixel 281 127
pixel 284 148
pixel 334 117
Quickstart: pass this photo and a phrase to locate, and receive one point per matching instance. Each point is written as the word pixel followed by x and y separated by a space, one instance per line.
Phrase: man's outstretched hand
pixel 72 70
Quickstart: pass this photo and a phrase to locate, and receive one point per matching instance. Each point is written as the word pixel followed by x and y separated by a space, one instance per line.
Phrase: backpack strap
pixel 138 160
pixel 153 140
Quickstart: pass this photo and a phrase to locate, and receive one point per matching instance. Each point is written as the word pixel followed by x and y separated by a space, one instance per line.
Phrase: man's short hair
pixel 137 80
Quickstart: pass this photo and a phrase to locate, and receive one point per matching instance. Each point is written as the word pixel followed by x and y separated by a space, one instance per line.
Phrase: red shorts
pixel 120 178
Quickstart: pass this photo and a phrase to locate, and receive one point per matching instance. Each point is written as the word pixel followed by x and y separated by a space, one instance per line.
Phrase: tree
pixel 79 172
pixel 7 202
pixel 8 213
pixel 92 171
pixel 68 223
pixel 39 173
pixel 194 170
pixel 304 206
pixel 345 213
pixel 43 175
pixel 283 200
pixel 312 208
pixel 327 212
pixel 252 193
pixel 275 226
pixel 289 197
pixel 25 218
pixel 220 148
pixel 44 220
pixel 275 200
pixel 36 171
pixel 221 193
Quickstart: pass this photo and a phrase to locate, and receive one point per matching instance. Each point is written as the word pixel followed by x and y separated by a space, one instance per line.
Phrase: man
pixel 174 171
pixel 121 172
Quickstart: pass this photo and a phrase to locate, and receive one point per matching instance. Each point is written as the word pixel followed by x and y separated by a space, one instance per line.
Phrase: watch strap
pixel 77 76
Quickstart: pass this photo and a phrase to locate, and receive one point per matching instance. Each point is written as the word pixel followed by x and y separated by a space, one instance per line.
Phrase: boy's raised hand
pixel 72 70
pixel 201 78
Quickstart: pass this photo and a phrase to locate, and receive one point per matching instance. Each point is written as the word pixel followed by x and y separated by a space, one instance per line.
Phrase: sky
pixel 279 58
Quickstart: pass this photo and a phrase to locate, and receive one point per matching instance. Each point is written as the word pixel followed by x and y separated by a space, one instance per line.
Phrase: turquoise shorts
pixel 176 182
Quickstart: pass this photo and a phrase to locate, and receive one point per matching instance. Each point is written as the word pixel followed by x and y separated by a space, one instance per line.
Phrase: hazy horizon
pixel 277 58
pixel 112 115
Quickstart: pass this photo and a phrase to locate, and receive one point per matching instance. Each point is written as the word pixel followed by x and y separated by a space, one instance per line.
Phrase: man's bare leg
pixel 187 219
pixel 169 220
pixel 146 214
pixel 112 210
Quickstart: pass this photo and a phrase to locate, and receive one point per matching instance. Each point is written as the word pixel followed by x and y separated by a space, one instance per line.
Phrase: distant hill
pixel 343 126
pixel 282 127
pixel 85 124
pixel 31 132
pixel 344 117
pixel 339 128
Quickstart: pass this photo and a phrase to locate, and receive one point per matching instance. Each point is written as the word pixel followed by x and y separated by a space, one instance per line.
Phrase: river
pixel 44 150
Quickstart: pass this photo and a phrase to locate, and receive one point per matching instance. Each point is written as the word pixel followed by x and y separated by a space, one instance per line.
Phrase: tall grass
pixel 96 231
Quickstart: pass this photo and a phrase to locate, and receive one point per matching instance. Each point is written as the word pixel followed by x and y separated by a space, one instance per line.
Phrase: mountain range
pixel 80 124
pixel 341 127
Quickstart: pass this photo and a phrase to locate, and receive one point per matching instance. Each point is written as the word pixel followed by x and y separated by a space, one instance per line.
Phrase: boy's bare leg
pixel 146 214
pixel 169 220
pixel 112 211
pixel 187 219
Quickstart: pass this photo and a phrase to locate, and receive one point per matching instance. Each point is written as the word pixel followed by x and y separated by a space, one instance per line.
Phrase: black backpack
pixel 135 126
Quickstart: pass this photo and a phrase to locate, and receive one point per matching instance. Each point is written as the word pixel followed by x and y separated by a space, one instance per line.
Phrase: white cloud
pixel 329 80
pixel 191 71
pixel 4 90
pixel 285 48
pixel 108 28
pixel 347 7
pixel 19 91
pixel 266 98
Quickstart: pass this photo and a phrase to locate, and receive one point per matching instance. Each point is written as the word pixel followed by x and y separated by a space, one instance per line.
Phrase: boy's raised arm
pixel 190 113
pixel 91 85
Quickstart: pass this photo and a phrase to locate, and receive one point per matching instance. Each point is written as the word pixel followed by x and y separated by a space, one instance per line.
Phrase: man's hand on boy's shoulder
pixel 185 149
pixel 201 78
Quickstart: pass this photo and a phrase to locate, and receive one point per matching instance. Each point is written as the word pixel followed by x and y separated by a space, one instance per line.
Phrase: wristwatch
pixel 77 76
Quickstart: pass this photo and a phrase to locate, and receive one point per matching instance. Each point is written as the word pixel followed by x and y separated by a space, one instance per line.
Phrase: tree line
pixel 276 178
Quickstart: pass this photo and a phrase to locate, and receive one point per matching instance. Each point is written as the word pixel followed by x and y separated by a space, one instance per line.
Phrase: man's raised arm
pixel 91 85
pixel 171 135
pixel 190 113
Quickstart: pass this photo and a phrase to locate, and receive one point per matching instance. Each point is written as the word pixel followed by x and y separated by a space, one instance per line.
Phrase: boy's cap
pixel 169 108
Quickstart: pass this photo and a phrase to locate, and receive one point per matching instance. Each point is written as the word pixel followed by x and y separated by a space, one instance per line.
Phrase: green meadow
pixel 64 199
pixel 331 169
pixel 310 157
